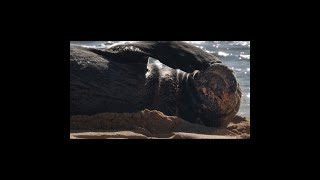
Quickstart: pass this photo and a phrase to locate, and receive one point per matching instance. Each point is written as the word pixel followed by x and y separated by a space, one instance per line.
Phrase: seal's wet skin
pixel 196 86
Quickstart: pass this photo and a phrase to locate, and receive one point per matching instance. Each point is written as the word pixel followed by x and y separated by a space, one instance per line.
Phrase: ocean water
pixel 235 54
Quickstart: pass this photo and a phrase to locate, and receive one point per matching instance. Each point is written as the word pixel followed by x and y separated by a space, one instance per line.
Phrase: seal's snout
pixel 217 80
pixel 219 93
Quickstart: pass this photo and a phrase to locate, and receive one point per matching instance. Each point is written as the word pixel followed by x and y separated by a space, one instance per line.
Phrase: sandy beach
pixel 148 124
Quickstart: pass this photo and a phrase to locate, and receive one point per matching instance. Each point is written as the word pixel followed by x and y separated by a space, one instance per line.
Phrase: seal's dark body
pixel 115 80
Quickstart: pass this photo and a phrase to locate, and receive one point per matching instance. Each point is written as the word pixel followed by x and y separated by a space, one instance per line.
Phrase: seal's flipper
pixel 175 54
pixel 124 54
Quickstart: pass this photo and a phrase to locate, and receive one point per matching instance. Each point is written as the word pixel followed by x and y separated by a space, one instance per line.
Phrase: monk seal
pixel 193 85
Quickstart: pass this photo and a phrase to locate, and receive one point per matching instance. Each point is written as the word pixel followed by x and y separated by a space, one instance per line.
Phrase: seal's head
pixel 218 93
